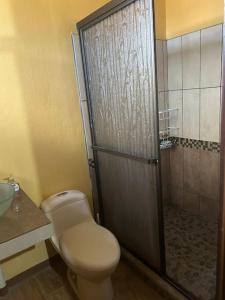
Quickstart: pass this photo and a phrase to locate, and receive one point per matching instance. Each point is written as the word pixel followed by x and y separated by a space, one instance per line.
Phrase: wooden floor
pixel 51 284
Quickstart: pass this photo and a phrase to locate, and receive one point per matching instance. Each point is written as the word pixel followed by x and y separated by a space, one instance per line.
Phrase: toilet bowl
pixel 90 251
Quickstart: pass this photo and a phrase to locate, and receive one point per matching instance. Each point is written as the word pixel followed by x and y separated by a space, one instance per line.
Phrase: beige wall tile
pixel 165 174
pixel 176 196
pixel 211 51
pixel 209 174
pixel 176 120
pixel 176 166
pixel 191 114
pixel 191 202
pixel 209 209
pixel 160 66
pixel 174 64
pixel 161 101
pixel 191 170
pixel 162 105
pixel 165 65
pixel 210 114
pixel 191 60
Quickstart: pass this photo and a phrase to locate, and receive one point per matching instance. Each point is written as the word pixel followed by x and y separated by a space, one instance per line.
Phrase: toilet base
pixel 94 290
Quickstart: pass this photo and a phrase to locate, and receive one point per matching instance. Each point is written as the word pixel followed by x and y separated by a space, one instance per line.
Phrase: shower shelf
pixel 166 136
pixel 168 132
pixel 166 144
pixel 166 114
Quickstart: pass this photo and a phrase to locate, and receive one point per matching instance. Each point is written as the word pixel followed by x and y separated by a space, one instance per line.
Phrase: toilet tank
pixel 65 210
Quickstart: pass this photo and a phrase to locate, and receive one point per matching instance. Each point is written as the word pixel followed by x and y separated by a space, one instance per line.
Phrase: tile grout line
pixel 221 58
pixel 194 88
pixel 182 103
pixel 204 28
pixel 164 98
pixel 221 78
pixel 200 79
pixel 182 85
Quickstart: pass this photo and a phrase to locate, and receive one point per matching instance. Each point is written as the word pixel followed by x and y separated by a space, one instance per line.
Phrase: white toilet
pixel 90 251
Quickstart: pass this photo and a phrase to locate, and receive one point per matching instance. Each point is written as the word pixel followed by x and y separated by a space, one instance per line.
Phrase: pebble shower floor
pixel 191 252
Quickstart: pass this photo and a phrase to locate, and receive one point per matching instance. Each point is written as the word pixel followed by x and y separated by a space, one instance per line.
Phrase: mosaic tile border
pixel 196 144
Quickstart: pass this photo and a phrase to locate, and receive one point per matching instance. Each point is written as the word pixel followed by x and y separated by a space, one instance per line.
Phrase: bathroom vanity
pixel 22 229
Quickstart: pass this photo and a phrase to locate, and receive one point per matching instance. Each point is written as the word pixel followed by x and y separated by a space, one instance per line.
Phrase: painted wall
pixel 42 141
pixel 183 16
pixel 160 19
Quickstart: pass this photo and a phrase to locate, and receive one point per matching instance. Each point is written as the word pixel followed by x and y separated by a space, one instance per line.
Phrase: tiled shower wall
pixel 189 78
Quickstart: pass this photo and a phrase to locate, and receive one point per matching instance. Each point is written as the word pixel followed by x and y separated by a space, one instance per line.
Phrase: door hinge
pixel 91 163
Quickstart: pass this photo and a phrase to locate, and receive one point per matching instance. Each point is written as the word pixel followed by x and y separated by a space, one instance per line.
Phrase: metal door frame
pixel 221 227
pixel 105 11
pixel 102 13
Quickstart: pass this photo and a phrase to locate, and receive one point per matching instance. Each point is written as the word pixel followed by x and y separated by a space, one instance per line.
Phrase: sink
pixel 6 197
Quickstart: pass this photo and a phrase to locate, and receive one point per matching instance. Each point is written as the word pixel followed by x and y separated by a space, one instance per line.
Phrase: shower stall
pixel 151 106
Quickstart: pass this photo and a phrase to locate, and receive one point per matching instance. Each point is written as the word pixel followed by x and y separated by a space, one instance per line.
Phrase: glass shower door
pixel 118 54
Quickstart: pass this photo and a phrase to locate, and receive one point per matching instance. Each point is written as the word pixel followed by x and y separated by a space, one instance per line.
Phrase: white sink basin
pixel 6 197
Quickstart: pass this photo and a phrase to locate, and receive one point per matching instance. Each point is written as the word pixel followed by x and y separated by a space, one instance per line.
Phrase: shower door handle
pixel 149 161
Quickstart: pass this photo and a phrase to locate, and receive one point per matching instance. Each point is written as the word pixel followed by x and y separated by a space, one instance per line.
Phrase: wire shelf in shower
pixel 166 137
pixel 168 132
pixel 167 114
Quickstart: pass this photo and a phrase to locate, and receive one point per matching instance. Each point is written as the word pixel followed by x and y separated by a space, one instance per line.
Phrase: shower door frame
pixel 103 12
pixel 94 18
pixel 221 232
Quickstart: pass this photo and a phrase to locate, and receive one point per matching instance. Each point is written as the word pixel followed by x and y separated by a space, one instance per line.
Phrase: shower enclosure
pixel 151 113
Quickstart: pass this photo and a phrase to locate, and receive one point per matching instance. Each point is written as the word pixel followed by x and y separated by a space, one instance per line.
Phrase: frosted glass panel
pixel 119 60
pixel 129 194
pixel 119 57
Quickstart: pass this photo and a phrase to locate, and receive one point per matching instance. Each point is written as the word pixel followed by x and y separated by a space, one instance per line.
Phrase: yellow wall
pixel 183 16
pixel 160 19
pixel 42 142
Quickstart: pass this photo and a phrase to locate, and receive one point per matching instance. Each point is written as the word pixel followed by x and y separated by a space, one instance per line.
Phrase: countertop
pixel 14 224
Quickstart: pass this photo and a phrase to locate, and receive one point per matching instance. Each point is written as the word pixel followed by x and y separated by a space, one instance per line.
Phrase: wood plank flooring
pixel 51 284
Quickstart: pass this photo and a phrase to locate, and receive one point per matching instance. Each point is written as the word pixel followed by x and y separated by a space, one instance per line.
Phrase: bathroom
pixel 161 142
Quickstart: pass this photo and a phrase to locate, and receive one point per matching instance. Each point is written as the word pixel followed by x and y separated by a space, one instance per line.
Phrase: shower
pixel 151 100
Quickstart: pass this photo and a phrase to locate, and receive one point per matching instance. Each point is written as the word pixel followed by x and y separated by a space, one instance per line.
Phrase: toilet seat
pixel 90 250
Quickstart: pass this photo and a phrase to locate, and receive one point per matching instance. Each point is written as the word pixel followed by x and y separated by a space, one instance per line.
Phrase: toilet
pixel 90 251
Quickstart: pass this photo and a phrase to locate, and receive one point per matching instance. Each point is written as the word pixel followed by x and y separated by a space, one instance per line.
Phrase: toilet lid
pixel 90 248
